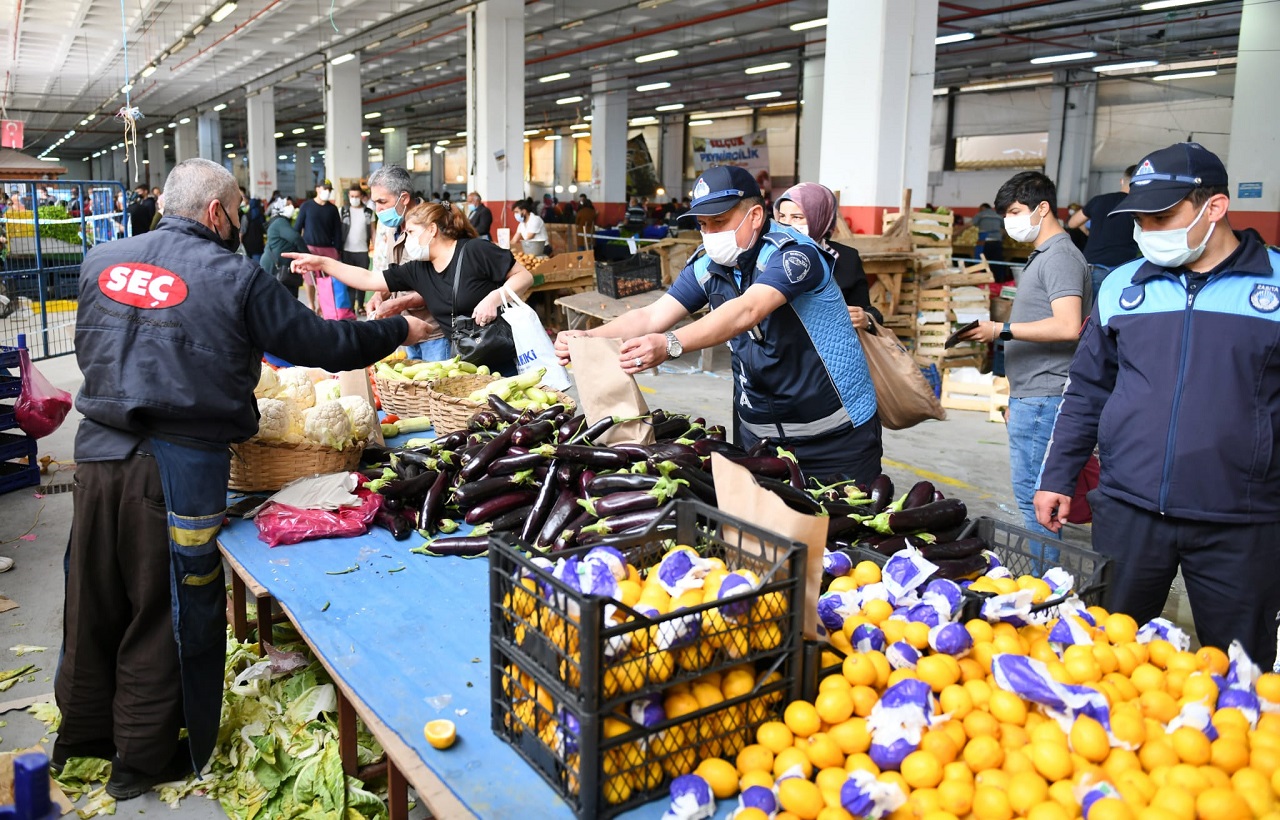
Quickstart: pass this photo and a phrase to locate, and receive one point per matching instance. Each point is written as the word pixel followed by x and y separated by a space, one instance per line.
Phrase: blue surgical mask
pixel 391 217
pixel 519 217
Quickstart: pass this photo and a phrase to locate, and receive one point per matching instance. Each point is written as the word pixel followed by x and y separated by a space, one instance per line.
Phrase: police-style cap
pixel 1166 177
pixel 719 189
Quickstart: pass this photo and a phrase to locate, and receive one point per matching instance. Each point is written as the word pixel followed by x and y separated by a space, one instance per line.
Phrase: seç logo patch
pixel 142 286
pixel 1265 298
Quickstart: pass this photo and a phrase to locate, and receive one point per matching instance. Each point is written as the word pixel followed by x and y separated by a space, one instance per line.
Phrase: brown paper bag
pixel 739 495
pixel 605 390
pixel 903 395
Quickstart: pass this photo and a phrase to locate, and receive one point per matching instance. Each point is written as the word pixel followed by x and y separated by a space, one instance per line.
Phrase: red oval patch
pixel 142 286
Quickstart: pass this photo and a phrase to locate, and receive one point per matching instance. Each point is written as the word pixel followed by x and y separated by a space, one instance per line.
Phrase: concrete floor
pixel 966 456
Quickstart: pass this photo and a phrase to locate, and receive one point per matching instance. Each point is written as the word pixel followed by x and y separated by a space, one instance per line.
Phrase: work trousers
pixel 1231 572
pixel 118 680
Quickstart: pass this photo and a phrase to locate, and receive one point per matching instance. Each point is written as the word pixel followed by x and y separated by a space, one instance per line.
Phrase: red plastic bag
pixel 1081 512
pixel 41 407
pixel 281 524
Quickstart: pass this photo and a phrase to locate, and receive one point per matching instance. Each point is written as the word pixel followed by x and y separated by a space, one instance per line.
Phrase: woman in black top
pixel 436 237
pixel 810 208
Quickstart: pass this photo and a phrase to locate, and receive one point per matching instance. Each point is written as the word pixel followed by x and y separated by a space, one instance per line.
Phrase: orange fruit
pixel 864 700
pixel 1268 687
pixel 1016 761
pixel 939 671
pixel 1120 628
pixel 1089 739
pixel 1222 804
pixel 982 753
pixel 1128 725
pixel 1229 755
pixel 1177 801
pixel 800 797
pixel 1213 660
pixel 775 736
pixel 823 752
pixel 802 718
pixel 917 634
pixel 720 775
pixel 979 692
pixel 1191 745
pixel 1158 705
pixel 754 758
pixel 861 761
pixel 1157 753
pixel 990 803
pixel 789 758
pixel 1160 651
pixel 955 796
pixel 1026 790
pixel 1013 736
pixel 866 572
pixel 852 735
pixel 859 670
pixel 921 770
pixel 834 706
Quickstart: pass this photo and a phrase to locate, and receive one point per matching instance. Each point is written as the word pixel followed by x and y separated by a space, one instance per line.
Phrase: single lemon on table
pixel 440 733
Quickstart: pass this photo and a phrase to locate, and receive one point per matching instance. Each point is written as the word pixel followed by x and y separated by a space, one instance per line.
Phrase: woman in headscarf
pixel 810 208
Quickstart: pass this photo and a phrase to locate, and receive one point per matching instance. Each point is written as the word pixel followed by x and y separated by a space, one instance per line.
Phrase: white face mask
pixel 355 201
pixel 1169 249
pixel 1020 229
pixel 287 211
pixel 415 251
pixel 722 246
pixel 325 196
pixel 801 228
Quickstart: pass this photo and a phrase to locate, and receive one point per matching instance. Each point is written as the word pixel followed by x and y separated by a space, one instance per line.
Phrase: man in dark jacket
pixel 1176 380
pixel 141 211
pixel 170 334
pixel 480 215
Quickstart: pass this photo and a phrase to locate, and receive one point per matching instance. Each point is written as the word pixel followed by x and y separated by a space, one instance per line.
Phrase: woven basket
pixel 451 409
pixel 404 398
pixel 260 465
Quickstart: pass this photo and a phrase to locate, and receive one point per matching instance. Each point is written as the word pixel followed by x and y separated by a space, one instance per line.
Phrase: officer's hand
pixel 418 330
pixel 562 344
pixel 642 353
pixel 306 262
pixel 858 316
pixel 1052 509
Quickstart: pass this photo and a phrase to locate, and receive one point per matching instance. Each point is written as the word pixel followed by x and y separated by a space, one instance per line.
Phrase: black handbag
pixel 490 344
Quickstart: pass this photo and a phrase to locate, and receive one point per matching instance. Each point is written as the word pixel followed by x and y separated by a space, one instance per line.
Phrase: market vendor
pixel 800 377
pixel 1177 382
pixel 170 333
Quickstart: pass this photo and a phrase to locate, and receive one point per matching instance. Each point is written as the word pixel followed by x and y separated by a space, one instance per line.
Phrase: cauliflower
pixel 268 384
pixel 295 386
pixel 278 421
pixel 328 390
pixel 327 424
pixel 363 420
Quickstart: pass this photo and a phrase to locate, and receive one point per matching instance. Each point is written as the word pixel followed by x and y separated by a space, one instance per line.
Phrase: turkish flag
pixel 11 134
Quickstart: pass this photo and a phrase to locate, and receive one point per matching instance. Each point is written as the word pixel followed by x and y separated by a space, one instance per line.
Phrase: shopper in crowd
pixel 1043 329
pixel 253 232
pixel 282 237
pixel 585 221
pixel 1179 358
pixel 392 196
pixel 990 227
pixel 358 221
pixel 811 209
pixel 155 220
pixel 320 224
pixel 531 227
pixel 437 237
pixel 635 215
pixel 1110 242
pixel 144 627
pixel 800 377
pixel 142 209
pixel 480 215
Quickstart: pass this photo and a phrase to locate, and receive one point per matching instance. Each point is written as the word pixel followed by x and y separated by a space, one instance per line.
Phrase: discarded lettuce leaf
pixel 48 714
pixel 26 649
pixel 14 674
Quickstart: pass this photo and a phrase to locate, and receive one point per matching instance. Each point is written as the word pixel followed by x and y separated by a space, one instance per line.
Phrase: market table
pixel 406 639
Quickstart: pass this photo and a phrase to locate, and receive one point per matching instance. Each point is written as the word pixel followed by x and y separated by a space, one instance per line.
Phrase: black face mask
pixel 232 240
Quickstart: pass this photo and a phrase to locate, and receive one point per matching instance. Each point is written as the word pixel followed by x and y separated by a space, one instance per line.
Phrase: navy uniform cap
pixel 1166 177
pixel 718 189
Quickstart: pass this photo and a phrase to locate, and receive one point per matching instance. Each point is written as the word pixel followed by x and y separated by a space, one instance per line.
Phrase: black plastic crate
pixel 1023 553
pixel 9 385
pixel 640 273
pixel 605 763
pixel 7 417
pixel 563 634
pixel 13 473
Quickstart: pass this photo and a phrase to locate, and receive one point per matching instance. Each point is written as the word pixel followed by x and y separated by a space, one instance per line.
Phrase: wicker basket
pixel 451 409
pixel 404 398
pixel 260 465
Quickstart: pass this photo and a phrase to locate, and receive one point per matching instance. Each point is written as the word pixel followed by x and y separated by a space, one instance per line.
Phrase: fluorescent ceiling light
pixel 229 156
pixel 298 131
pixel 651 4
pixel 580 126
pixel 581 135
pixel 1185 75
pixel 302 145
pixel 229 145
pixel 671 107
pixel 764 95
pixel 744 111
pixel 278 134
pixel 442 142
pixel 1169 4
pixel 808 24
pixel 696 123
pixel 319 127
pixel 551 78
pixel 50 159
pixel 222 13
pixel 184 121
pixel 1123 66
pixel 644 120
pixel 126 88
pixel 530 132
pixel 569 100
pixel 387 130
pixel 958 37
pixel 764 69
pixel 201 26
pixel 941 92
pixel 423 26
pixel 653 87
pixel 657 55
pixel 552 137
pixel 179 46
pixel 1064 58
pixel 467 9
pixel 364 133
pixel 148 71
pixel 220 107
pixel 780 103
pixel 572 24
pixel 373 115
pixel 345 58
pixel 461 134
pixel 283 156
pixel 1039 79
pixel 587 118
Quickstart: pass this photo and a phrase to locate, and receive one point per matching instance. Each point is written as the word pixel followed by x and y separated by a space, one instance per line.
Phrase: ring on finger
pixel 638 362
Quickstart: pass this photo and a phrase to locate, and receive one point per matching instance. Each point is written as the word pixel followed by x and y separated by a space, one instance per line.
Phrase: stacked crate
pixel 930 233
pixel 942 310
pixel 18 466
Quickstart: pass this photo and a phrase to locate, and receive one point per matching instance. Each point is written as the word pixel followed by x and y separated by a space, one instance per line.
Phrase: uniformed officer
pixel 170 334
pixel 800 378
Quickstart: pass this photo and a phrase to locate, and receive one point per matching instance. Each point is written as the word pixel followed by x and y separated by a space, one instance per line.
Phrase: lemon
pixel 939 671
pixel 720 775
pixel 774 736
pixel 1089 739
pixel 440 733
pixel 1026 790
pixel 921 770
pixel 852 735
pixel 866 572
pixel 1120 628
pixel 956 796
pixel 754 758
pixel 802 718
pixel 788 758
pixel 859 670
pixel 1191 746
pixel 801 798
pixel 1007 707
pixel 1052 760
pixel 1222 804
pixel 834 706
pixel 983 752
pixel 990 803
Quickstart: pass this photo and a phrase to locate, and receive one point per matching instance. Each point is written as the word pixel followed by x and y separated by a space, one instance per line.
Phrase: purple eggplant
pixel 881 494
pixel 410 490
pixel 433 504
pixel 394 523
pixel 542 504
pixel 671 428
pixel 635 452
pixel 600 458
pixel 841 525
pixel 620 482
pixel 481 461
pixel 484 420
pixel 571 429
pixel 567 472
pixel 919 495
pixel 960 568
pixel 568 537
pixel 624 502
pixel 596 430
pixel 618 523
pixel 770 466
pixel 699 483
pixel 936 515
pixel 505 411
pixel 584 481
pixel 937 495
pixel 493 507
pixel 954 549
pixel 511 464
pixel 474 492
pixel 535 432
pixel 897 543
pixel 706 446
pixel 458 546
pixel 566 504
pixel 798 500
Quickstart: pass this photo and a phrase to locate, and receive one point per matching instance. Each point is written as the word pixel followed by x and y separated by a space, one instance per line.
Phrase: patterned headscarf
pixel 818 204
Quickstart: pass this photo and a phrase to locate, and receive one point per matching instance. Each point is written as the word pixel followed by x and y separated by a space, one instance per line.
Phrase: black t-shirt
pixel 320 224
pixel 852 278
pixel 485 269
pixel 1110 237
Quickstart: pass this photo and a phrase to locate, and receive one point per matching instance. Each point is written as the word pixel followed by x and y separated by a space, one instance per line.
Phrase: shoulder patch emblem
pixel 1265 298
pixel 796 265
pixel 1132 296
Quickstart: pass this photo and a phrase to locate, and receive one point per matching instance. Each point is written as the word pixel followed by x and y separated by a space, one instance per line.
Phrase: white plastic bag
pixel 534 348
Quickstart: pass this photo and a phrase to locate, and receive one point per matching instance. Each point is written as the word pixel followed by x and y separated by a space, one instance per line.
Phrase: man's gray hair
pixel 394 179
pixel 194 183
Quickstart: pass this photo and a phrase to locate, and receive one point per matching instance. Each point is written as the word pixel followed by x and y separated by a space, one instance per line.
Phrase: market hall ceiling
pixel 64 60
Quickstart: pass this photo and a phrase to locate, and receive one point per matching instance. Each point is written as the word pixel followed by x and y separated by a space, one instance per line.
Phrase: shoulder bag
pixel 490 344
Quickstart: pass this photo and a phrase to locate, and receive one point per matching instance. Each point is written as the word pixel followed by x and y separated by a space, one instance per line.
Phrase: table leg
pixel 239 617
pixel 347 735
pixel 397 793
pixel 265 619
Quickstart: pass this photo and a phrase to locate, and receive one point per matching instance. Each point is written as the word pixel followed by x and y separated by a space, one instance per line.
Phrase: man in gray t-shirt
pixel 1040 337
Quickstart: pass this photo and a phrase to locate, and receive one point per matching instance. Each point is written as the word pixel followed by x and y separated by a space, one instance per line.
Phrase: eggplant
pixel 584 481
pixel 759 448
pixel 951 534
pixel 635 452
pixel 623 502
pixel 504 410
pixel 458 546
pixel 706 446
pixel 596 430
pixel 562 510
pixel 897 543
pixel 795 499
pixel 793 471
pixel 410 489
pixel 513 520
pixel 393 504
pixel 570 429
pixel 499 504
pixel 474 492
pixel 512 464
pixel 671 450
pixel 960 568
pixel 481 461
pixel 881 494
pixel 483 420
pixel 393 523
pixel 602 458
pixel 533 433
pixel 549 414
pixel 919 495
pixel 770 466
pixel 700 484
pixel 671 427
pixel 937 495
pixel 936 515
pixel 841 525
pixel 568 537
pixel 717 432
pixel 954 549
pixel 433 504
pixel 375 454
pixel 567 472
pixel 620 482
pixel 615 524
pixel 452 441
pixel 542 504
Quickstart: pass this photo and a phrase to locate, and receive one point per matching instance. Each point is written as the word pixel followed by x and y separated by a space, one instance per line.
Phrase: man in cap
pixel 800 377
pixel 1177 380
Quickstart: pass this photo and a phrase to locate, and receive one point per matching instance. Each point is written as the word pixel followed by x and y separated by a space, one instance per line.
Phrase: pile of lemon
pixel 998 756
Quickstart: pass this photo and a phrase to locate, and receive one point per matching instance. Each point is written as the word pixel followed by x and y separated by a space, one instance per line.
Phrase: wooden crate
pixel 565 266
pixel 950 298
pixel 926 230
pixel 991 398
pixel 938 275
pixel 674 253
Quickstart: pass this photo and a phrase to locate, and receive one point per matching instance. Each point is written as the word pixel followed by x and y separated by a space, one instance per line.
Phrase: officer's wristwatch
pixel 1006 334
pixel 674 348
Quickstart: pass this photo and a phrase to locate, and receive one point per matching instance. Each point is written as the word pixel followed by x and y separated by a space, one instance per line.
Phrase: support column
pixel 565 150
pixel 673 153
pixel 209 134
pixel 811 119
pixel 1069 155
pixel 156 161
pixel 495 107
pixel 1251 155
pixel 260 111
pixel 888 45
pixel 304 186
pixel 186 141
pixel 609 148
pixel 345 152
pixel 395 148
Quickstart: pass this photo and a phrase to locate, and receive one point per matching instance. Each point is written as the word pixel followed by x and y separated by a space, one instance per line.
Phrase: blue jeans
pixel 1030 425
pixel 1097 273
pixel 435 350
